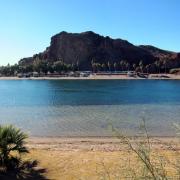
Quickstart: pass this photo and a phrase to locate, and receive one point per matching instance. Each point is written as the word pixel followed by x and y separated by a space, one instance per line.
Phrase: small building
pixel 131 73
pixel 35 74
pixel 20 75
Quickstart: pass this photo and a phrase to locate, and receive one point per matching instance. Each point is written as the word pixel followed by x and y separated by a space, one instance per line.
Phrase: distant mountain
pixel 88 46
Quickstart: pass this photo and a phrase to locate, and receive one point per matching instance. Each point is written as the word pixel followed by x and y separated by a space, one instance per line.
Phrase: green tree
pixel 147 68
pixel 157 63
pixel 134 67
pixel 141 65
pixel 11 140
pixel 77 64
pixel 50 67
pixel 165 65
pixel 93 65
pixel 109 66
pixel 127 66
pixel 103 67
pixel 98 67
pixel 122 65
pixel 115 66
pixel 58 66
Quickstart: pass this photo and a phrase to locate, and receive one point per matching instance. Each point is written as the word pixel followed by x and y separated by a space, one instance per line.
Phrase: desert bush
pixel 152 165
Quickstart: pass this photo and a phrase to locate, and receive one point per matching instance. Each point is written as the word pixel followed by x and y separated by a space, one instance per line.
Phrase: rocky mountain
pixel 88 46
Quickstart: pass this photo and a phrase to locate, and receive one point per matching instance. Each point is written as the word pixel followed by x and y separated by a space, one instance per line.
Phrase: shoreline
pixel 99 77
pixel 95 143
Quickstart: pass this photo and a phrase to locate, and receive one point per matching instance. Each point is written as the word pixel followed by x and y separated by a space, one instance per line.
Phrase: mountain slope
pixel 87 46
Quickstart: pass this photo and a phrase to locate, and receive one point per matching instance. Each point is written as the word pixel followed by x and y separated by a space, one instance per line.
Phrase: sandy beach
pixel 96 77
pixel 96 158
pixel 96 143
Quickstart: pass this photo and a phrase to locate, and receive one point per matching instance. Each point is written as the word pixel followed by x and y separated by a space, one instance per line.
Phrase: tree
pixel 77 64
pixel 103 67
pixel 50 68
pixel 141 66
pixel 93 65
pixel 109 66
pixel 157 63
pixel 165 65
pixel 73 67
pixel 115 66
pixel 58 66
pixel 127 66
pixel 122 65
pixel 98 67
pixel 134 67
pixel 140 63
pixel 11 140
pixel 147 68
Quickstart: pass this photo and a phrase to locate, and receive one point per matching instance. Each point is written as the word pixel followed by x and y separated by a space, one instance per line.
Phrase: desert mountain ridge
pixel 88 46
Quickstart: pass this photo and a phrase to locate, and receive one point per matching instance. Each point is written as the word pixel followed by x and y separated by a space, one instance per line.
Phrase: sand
pixel 98 158
pixel 95 143
pixel 95 77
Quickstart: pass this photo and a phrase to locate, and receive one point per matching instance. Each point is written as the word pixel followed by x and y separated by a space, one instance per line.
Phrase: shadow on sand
pixel 28 170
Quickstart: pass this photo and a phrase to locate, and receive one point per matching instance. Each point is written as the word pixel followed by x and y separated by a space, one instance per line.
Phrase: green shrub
pixel 12 142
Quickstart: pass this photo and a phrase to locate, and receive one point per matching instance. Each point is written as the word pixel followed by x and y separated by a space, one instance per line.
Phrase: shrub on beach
pixel 12 145
pixel 153 165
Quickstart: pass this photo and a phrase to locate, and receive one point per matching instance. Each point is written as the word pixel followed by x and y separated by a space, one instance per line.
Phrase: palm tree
pixel 165 65
pixel 122 64
pixel 103 67
pixel 77 64
pixel 11 140
pixel 157 63
pixel 127 66
pixel 141 66
pixel 72 67
pixel 93 65
pixel 58 66
pixel 115 66
pixel 98 67
pixel 109 66
pixel 147 68
pixel 134 67
pixel 140 63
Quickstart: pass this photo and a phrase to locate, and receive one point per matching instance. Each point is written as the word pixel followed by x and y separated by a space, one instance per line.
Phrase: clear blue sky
pixel 27 25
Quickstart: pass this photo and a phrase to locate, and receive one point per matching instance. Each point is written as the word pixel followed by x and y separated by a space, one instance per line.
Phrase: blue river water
pixel 89 107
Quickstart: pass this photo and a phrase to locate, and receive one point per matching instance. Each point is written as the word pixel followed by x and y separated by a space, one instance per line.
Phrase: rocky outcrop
pixel 172 59
pixel 88 46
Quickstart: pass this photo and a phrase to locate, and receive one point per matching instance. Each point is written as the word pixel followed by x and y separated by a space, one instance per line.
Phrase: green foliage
pixel 12 145
pixel 41 65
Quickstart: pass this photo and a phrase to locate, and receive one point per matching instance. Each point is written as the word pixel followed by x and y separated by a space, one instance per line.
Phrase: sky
pixel 26 26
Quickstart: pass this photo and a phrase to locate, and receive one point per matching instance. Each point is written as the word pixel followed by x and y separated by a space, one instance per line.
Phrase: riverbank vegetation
pixel 48 67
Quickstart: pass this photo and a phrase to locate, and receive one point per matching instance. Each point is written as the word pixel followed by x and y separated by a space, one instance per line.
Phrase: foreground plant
pixel 12 145
pixel 152 164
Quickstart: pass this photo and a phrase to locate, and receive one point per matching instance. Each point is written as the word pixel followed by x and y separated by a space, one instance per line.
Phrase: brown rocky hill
pixel 87 46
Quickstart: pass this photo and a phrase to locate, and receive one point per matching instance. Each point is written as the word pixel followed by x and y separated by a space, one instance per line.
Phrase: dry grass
pixel 67 165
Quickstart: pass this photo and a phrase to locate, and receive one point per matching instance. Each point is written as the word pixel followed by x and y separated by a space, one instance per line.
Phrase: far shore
pixel 98 77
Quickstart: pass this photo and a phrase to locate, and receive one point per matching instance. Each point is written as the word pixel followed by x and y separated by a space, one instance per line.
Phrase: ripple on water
pixel 92 120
